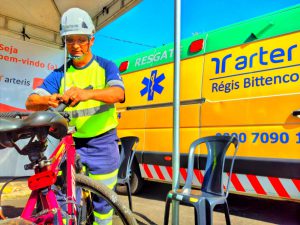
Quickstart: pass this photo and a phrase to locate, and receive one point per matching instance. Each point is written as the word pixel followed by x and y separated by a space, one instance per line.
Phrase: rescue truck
pixel 241 80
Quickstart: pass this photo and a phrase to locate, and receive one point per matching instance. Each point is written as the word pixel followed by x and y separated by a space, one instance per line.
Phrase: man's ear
pixel 92 40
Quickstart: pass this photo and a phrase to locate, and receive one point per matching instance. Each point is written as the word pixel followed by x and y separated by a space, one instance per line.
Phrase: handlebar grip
pixel 61 107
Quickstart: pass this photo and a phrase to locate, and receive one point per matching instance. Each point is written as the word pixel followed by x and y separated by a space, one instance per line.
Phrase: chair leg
pixel 195 215
pixel 226 211
pixel 209 213
pixel 129 194
pixel 200 212
pixel 167 211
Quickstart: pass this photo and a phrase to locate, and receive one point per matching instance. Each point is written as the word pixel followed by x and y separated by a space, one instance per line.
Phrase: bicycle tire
pixel 111 197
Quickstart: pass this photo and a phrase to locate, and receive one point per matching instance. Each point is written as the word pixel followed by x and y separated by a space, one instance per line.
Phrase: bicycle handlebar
pixel 61 107
pixel 16 127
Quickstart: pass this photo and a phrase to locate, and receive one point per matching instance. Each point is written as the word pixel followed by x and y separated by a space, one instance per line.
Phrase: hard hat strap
pixel 65 64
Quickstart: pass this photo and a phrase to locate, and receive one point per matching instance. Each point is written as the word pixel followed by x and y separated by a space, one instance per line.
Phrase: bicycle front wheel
pixel 90 188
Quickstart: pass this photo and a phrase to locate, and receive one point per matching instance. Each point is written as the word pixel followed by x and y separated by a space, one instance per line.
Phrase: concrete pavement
pixel 15 189
pixel 148 207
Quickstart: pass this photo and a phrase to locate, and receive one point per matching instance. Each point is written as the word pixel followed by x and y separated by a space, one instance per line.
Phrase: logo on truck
pixel 262 67
pixel 152 85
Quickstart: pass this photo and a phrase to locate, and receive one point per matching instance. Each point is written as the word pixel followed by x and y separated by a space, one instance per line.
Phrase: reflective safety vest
pixel 91 117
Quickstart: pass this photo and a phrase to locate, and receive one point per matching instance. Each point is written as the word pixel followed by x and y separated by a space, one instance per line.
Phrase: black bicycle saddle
pixel 15 129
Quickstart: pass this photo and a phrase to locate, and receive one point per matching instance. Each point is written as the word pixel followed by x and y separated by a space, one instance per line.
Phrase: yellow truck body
pixel 241 80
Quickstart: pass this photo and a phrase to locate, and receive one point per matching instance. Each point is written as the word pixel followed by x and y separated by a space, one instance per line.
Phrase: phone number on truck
pixel 263 137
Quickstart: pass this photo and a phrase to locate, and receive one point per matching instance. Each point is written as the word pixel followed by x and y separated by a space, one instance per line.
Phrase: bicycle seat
pixel 15 129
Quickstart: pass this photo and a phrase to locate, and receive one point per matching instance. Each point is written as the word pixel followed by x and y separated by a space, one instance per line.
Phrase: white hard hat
pixel 76 21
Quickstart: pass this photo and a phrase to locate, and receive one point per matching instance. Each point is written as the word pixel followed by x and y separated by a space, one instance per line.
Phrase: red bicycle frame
pixel 40 184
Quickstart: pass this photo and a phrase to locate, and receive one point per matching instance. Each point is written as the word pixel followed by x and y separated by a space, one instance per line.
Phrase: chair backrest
pixel 127 143
pixel 217 147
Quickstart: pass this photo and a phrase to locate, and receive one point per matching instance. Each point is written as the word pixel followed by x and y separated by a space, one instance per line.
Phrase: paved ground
pixel 243 210
pixel 14 190
pixel 149 206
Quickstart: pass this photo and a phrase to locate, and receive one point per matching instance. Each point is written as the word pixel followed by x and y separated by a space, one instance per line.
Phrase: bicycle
pixel 42 206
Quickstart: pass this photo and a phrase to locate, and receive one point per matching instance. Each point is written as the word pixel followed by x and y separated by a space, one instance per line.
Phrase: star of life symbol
pixel 152 85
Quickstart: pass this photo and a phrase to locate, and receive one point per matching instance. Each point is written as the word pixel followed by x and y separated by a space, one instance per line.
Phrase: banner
pixel 23 66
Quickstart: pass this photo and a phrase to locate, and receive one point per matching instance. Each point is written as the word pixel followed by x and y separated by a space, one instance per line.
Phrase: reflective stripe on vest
pixel 90 111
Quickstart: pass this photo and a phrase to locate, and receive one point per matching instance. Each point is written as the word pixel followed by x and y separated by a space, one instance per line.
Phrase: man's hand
pixel 36 102
pixel 75 95
pixel 109 95
pixel 54 100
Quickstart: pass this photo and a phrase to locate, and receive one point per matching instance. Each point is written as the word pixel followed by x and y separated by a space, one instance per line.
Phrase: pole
pixel 176 108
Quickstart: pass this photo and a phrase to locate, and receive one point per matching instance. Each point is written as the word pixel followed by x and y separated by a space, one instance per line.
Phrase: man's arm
pixel 108 95
pixel 36 102
pixel 46 96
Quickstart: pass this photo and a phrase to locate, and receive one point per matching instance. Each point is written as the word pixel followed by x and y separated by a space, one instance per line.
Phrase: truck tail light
pixel 123 66
pixel 196 46
pixel 168 158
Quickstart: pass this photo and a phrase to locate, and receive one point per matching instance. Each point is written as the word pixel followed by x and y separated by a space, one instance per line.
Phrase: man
pixel 92 111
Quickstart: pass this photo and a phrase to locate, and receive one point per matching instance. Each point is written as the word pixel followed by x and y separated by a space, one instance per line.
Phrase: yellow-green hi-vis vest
pixel 91 117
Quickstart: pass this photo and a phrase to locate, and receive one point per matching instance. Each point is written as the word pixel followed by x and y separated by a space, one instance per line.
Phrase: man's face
pixel 79 45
